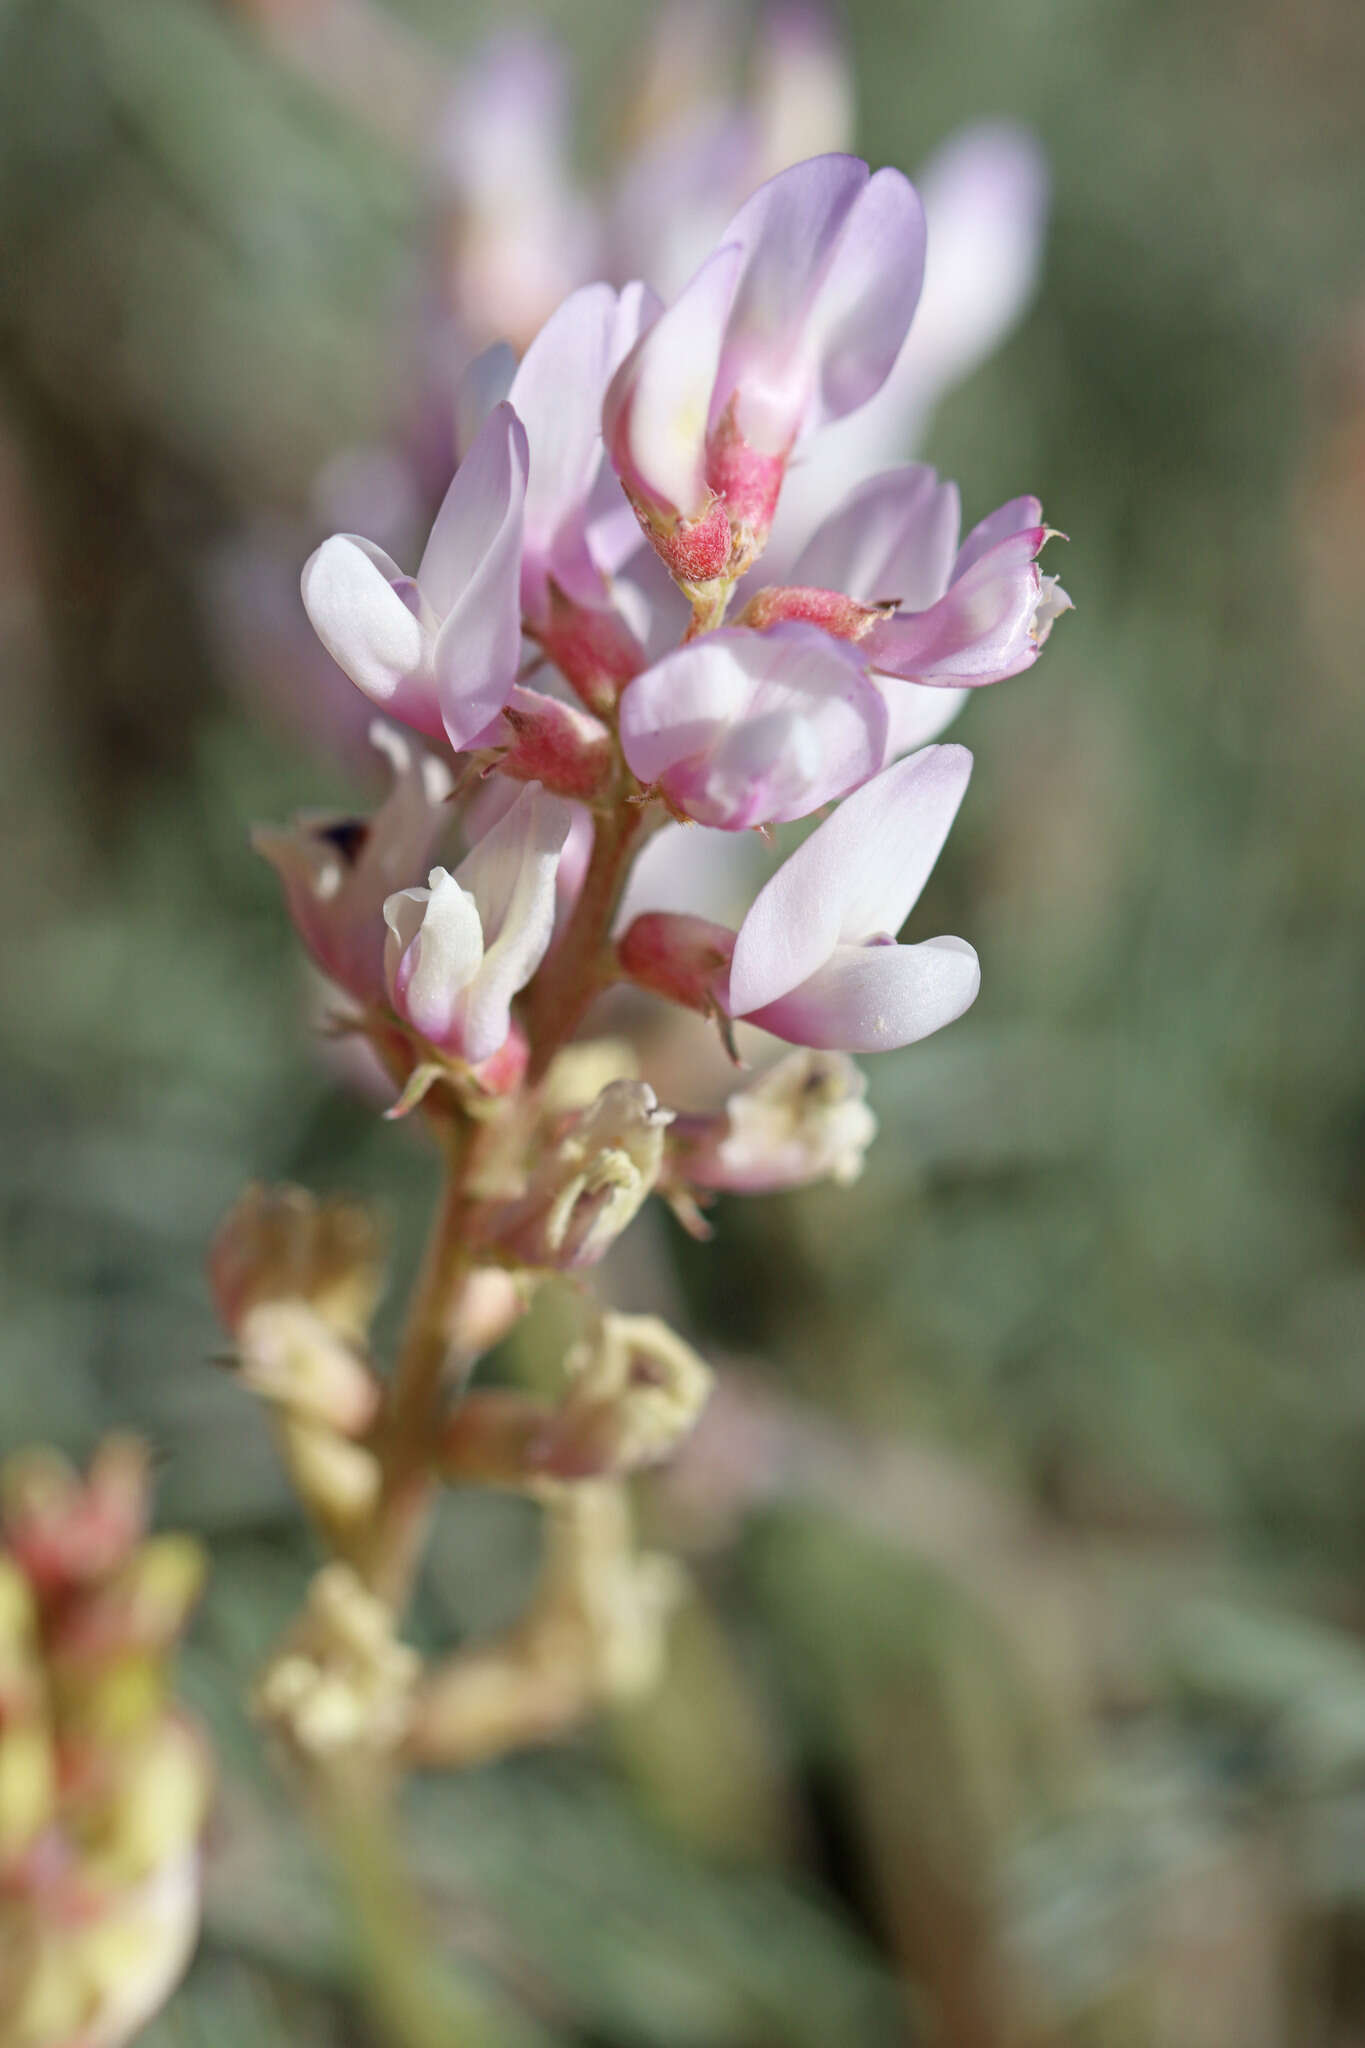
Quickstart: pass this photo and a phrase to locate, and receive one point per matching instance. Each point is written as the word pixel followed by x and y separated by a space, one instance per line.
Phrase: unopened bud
pixel 291 1356
pixel 556 744
pixel 343 1681
pixel 281 1244
pixel 144 1607
pixel 593 648
pixel 336 1479
pixel 65 1531
pixel 592 1184
pixel 804 1120
pixel 829 609
pixel 686 959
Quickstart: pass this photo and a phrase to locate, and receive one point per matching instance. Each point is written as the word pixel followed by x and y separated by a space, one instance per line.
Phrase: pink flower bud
pixel 682 958
pixel 831 609
pixel 566 750
pixel 592 647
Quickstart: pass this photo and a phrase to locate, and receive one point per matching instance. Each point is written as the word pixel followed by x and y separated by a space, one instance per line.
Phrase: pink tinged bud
pixel 337 870
pixel 816 961
pixel 683 958
pixel 566 750
pixel 66 1531
pixel 460 949
pixel 741 729
pixel 829 609
pixel 439 651
pixel 804 1120
pixel 592 647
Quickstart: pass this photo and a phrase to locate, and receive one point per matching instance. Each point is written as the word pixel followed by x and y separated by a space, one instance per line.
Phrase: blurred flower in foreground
pixel 104 1783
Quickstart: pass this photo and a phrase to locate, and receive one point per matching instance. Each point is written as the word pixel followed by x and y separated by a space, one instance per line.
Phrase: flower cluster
pixel 628 418
pixel 605 639
pixel 103 1782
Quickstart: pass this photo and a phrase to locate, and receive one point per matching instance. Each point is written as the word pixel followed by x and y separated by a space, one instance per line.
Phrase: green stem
pixel 412 2001
pixel 416 1392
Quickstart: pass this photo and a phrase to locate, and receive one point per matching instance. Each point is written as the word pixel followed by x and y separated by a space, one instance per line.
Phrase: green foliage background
pixel 1022 1698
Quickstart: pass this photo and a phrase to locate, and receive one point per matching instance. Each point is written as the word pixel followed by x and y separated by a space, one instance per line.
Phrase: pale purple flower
pixel 739 729
pixel 525 237
pixel 985 195
pixel 578 526
pixel 794 320
pixel 964 616
pixel 816 960
pixel 992 619
pixel 459 950
pixel 439 650
pixel 337 869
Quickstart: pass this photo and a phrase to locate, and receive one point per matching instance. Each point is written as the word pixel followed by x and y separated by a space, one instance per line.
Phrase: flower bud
pixel 281 1244
pixel 342 1682
pixel 593 648
pixel 65 1531
pixel 591 1185
pixel 804 1120
pixel 686 959
pixel 830 609
pixel 337 1480
pixel 143 1608
pixel 553 743
pixel 635 1392
pixel 290 1356
pixel 103 1785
